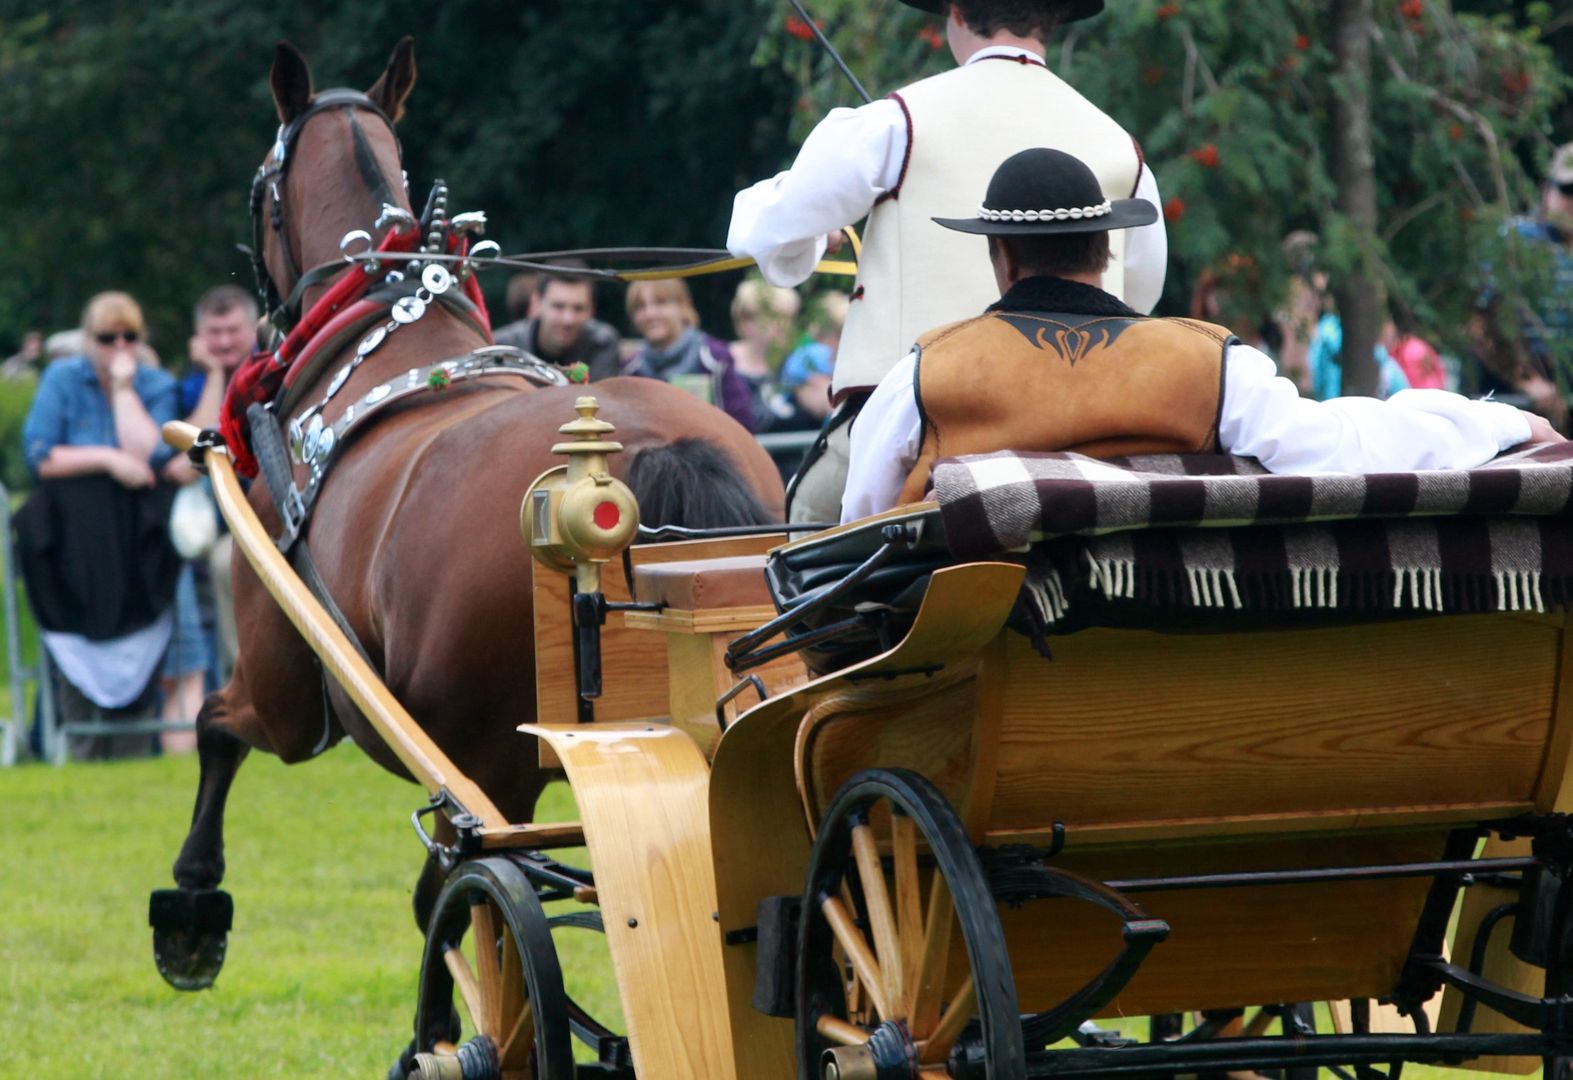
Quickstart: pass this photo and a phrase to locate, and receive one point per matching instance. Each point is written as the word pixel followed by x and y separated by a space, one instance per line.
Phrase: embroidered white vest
pixel 915 275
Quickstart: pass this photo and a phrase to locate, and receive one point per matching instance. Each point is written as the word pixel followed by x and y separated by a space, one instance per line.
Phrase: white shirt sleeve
pixel 1146 251
pixel 850 159
pixel 1263 416
pixel 886 439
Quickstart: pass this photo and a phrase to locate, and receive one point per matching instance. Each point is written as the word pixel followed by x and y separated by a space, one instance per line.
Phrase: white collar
pixel 1009 52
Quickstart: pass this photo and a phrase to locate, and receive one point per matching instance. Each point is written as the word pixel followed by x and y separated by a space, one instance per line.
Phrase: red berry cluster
pixel 800 29
pixel 1167 12
pixel 932 36
pixel 1206 156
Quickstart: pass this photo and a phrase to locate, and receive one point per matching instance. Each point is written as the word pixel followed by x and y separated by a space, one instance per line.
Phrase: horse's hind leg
pixel 191 923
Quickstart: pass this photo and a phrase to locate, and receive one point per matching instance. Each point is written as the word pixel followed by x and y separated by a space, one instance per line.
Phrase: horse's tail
pixel 694 484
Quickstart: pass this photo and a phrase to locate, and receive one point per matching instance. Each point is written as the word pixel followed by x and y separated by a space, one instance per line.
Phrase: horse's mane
pixel 692 483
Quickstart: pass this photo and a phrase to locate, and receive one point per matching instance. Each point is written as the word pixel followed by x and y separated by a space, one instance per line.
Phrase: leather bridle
pixel 267 189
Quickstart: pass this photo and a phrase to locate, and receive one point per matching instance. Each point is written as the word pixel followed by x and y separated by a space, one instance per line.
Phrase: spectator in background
pixel 677 351
pixel 1521 350
pixel 1295 321
pixel 1230 294
pixel 1325 359
pixel 561 327
pixel 519 300
pixel 803 399
pixel 223 335
pixel 1421 365
pixel 762 317
pixel 100 581
pixel 23 364
pixel 63 343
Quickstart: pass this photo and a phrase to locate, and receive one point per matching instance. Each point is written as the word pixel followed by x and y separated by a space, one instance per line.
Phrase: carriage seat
pixel 705 584
pixel 1193 542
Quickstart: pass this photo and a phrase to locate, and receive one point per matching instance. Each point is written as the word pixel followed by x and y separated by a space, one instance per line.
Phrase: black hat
pixel 1075 10
pixel 1044 192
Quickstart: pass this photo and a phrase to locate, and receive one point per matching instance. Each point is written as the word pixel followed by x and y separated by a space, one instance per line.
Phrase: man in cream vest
pixel 917 153
pixel 1057 363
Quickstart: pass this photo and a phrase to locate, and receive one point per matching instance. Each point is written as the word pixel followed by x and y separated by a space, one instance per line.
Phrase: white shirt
pixel 1262 416
pixel 850 159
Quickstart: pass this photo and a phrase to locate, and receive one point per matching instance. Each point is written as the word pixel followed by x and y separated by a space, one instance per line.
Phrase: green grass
pixel 322 965
pixel 321 973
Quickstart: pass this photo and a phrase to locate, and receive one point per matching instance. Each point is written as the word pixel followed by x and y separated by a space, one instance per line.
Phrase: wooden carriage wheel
pixel 873 992
pixel 489 955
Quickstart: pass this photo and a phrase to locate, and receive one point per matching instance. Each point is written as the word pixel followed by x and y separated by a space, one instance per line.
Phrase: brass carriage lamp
pixel 576 517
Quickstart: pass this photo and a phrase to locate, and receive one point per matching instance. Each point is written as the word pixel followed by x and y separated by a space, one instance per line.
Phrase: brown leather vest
pixel 1099 385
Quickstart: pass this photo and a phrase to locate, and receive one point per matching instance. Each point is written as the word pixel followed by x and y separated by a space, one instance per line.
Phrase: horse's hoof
pixel 190 934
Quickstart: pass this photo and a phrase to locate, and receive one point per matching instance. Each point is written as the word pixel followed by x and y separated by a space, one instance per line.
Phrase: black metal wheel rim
pixel 489 947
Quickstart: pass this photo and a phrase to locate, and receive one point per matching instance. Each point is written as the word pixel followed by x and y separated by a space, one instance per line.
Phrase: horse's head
pixel 333 165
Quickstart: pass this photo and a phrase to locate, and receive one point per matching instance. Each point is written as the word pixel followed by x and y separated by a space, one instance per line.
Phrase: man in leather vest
pixel 916 153
pixel 1058 363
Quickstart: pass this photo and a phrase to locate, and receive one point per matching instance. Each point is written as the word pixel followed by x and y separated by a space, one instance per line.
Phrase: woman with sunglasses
pixel 102 412
pixel 92 539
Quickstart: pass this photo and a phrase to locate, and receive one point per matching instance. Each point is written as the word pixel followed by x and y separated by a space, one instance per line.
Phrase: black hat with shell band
pixel 1075 10
pixel 1042 192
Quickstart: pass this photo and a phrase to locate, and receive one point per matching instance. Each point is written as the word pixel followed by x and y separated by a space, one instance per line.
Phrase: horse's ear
pixel 291 80
pixel 391 90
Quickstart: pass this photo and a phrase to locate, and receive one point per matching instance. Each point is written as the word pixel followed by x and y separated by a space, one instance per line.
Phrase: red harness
pixel 265 375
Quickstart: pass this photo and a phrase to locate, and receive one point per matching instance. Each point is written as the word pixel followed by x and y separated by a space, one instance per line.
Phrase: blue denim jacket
pixel 70 409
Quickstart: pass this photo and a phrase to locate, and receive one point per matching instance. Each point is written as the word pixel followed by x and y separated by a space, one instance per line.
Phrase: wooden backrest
pixel 1184 753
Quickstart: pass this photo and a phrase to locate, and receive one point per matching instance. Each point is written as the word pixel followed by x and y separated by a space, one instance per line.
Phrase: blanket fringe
pixel 1115 578
pixel 1048 596
pixel 1519 590
pixel 1424 586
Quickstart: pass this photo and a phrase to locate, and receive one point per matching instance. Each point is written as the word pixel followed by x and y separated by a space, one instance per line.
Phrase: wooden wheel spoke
pixel 936 1047
pixel 513 991
pixel 851 940
pixel 927 984
pixel 483 937
pixel 909 908
pixel 839 1031
pixel 881 918
pixel 464 981
pixel 515 1050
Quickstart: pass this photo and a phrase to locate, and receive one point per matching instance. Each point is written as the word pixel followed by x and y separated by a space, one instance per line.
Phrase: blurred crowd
pixel 773 375
pixel 1519 351
pixel 126 561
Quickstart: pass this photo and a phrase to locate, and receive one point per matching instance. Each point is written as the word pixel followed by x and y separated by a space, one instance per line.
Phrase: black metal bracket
pixel 1017 874
pixel 745 653
pixel 551 879
pixel 207 439
pixel 465 824
pixel 725 699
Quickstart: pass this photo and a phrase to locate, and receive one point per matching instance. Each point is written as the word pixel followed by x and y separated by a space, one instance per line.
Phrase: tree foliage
pixel 131 132
pixel 1234 107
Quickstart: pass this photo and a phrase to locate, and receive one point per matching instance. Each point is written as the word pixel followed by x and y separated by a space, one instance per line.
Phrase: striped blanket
pixel 1216 531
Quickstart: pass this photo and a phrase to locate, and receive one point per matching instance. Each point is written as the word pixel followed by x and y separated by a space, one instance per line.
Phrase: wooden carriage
pixel 943 854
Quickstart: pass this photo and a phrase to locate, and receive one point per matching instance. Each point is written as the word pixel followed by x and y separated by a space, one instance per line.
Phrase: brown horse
pixel 416 532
